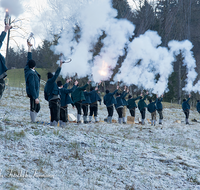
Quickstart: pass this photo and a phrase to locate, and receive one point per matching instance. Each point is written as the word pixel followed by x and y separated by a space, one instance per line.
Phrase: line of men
pixel 120 104
pixel 58 97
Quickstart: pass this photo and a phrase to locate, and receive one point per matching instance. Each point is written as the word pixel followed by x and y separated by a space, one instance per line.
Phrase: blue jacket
pixel 64 95
pixel 152 107
pixel 3 67
pixel 125 103
pixel 109 99
pixel 186 105
pixel 131 103
pixel 94 97
pixel 119 100
pixel 159 106
pixel 78 94
pixel 32 79
pixel 198 106
pixel 51 87
pixel 87 98
pixel 141 103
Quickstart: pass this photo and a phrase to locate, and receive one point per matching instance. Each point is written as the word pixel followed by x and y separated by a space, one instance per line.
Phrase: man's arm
pixel 55 76
pixel 29 57
pixel 115 91
pixel 85 86
pixel 189 98
pixel 3 34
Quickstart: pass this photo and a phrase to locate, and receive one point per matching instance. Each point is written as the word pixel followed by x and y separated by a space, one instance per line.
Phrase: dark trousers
pixel 78 106
pixel 153 115
pixel 93 110
pixel 64 114
pixel 120 111
pixel 85 109
pixel 33 106
pixel 110 111
pixel 2 87
pixel 143 111
pixel 54 106
pixel 187 112
pixel 132 112
pixel 160 114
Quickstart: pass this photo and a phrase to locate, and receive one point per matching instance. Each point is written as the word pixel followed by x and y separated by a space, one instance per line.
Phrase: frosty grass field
pixel 96 156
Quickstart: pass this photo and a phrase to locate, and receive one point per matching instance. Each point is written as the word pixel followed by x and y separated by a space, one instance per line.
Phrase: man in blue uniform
pixel 131 105
pixel 94 98
pixel 65 99
pixel 32 79
pixel 78 97
pixel 119 105
pixel 85 104
pixel 159 108
pixel 152 109
pixel 52 95
pixel 186 108
pixel 142 107
pixel 3 67
pixel 109 101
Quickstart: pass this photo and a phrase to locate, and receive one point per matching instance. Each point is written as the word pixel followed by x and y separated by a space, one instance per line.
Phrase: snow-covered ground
pixel 96 156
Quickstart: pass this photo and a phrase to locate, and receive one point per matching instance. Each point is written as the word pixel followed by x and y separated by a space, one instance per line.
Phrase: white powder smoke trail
pixel 96 17
pixel 145 57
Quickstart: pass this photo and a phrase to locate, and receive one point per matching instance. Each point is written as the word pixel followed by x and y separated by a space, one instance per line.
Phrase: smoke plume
pixel 146 59
pixel 94 19
pixel 147 64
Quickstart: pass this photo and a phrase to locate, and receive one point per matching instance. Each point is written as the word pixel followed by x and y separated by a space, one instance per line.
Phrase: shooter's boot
pixel 143 122
pixel 120 120
pixel 32 114
pixel 85 119
pixel 90 119
pixel 78 118
pixel 96 119
pixel 124 120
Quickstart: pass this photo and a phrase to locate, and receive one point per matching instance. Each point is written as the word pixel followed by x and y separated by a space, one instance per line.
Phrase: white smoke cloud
pixel 145 57
pixel 93 19
pixel 118 34
pixel 14 7
pixel 185 48
pixel 145 60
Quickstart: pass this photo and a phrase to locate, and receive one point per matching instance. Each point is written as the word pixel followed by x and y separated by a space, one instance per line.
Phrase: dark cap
pixel 129 97
pixel 59 83
pixel 49 75
pixel 31 63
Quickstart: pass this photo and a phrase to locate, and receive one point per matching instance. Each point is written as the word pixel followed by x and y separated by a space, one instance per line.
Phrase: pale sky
pixel 23 26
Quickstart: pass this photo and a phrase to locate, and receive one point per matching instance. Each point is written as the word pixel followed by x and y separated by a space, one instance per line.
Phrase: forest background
pixel 173 20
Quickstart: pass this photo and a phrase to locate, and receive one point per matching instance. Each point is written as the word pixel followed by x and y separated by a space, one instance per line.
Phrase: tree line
pixel 172 19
